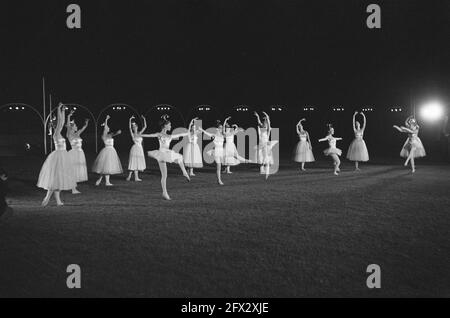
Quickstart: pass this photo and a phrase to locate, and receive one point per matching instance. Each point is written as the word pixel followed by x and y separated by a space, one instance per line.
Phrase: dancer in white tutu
pixel 231 155
pixel 413 147
pixel 165 154
pixel 192 155
pixel 136 161
pixel 264 149
pixel 303 152
pixel 332 151
pixel 107 162
pixel 217 151
pixel 76 153
pixel 358 150
pixel 57 173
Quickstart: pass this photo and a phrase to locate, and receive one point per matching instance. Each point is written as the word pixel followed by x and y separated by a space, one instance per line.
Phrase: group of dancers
pixel 63 169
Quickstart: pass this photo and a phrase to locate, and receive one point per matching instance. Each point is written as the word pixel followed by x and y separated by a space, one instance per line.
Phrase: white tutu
pixel 303 152
pixel 230 154
pixel 57 172
pixel 358 150
pixel 192 156
pixel 264 153
pixel 78 161
pixel 166 155
pixel 414 141
pixel 107 162
pixel 332 150
pixel 136 160
pixel 218 154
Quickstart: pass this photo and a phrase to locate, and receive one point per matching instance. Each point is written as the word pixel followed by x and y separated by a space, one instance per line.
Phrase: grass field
pixel 297 234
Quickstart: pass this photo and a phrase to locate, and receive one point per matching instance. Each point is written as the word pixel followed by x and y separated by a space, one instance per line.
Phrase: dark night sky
pixel 225 52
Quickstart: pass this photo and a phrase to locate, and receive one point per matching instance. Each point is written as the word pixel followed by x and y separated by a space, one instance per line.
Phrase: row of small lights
pixel 242 109
pixel 279 109
pixel 204 109
pixel 119 108
pixel 163 108
pixel 339 109
pixel 396 109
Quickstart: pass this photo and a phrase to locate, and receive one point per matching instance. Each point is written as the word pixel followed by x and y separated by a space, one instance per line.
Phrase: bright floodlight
pixel 432 111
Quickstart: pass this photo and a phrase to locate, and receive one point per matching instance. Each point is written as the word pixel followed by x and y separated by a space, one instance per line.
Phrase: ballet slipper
pixel 109 184
pixel 138 180
pixel 166 196
pixel 128 178
pixel 97 183
pixel 59 204
pixel 75 191
pixel 45 202
pixel 336 173
pixel 220 182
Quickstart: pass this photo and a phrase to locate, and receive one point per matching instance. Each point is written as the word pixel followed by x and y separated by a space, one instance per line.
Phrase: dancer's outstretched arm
pixel 86 122
pixel 354 121
pixel 155 135
pixel 403 129
pixel 364 121
pixel 129 126
pixel 206 133
pixel 116 133
pixel 176 136
pixel 324 139
pixel 105 127
pixel 269 128
pixel 309 140
pixel 69 117
pixel 61 118
pixel 145 124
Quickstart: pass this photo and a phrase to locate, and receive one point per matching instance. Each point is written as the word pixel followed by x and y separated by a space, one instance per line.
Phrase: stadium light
pixel 432 111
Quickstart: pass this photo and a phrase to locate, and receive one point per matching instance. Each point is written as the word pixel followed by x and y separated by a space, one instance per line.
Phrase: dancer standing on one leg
pixel 264 150
pixel 107 162
pixel 358 150
pixel 303 151
pixel 231 155
pixel 76 153
pixel 165 154
pixel 136 161
pixel 57 173
pixel 413 147
pixel 332 151
pixel 217 152
pixel 192 155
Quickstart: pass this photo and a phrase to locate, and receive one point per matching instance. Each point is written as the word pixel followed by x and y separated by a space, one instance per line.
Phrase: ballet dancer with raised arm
pixel 231 155
pixel 303 152
pixel 192 155
pixel 332 151
pixel 107 162
pixel 136 161
pixel 76 154
pixel 264 154
pixel 57 173
pixel 357 151
pixel 217 151
pixel 165 154
pixel 413 147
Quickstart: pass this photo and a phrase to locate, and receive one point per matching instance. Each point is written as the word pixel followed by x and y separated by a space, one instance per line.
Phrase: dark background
pixel 226 53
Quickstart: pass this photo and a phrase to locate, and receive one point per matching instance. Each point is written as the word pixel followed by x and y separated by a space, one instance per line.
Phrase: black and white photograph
pixel 225 149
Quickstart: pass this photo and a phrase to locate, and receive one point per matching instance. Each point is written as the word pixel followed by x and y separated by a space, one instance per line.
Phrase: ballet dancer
pixel 136 161
pixel 231 155
pixel 76 154
pixel 107 162
pixel 217 152
pixel 413 147
pixel 264 154
pixel 57 173
pixel 357 151
pixel 165 154
pixel 303 151
pixel 332 151
pixel 192 155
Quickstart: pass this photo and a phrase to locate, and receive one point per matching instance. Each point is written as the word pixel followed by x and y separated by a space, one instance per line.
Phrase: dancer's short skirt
pixel 136 160
pixel 332 150
pixel 303 152
pixel 192 156
pixel 57 172
pixel 78 160
pixel 357 151
pixel 107 162
pixel 165 155
pixel 416 143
